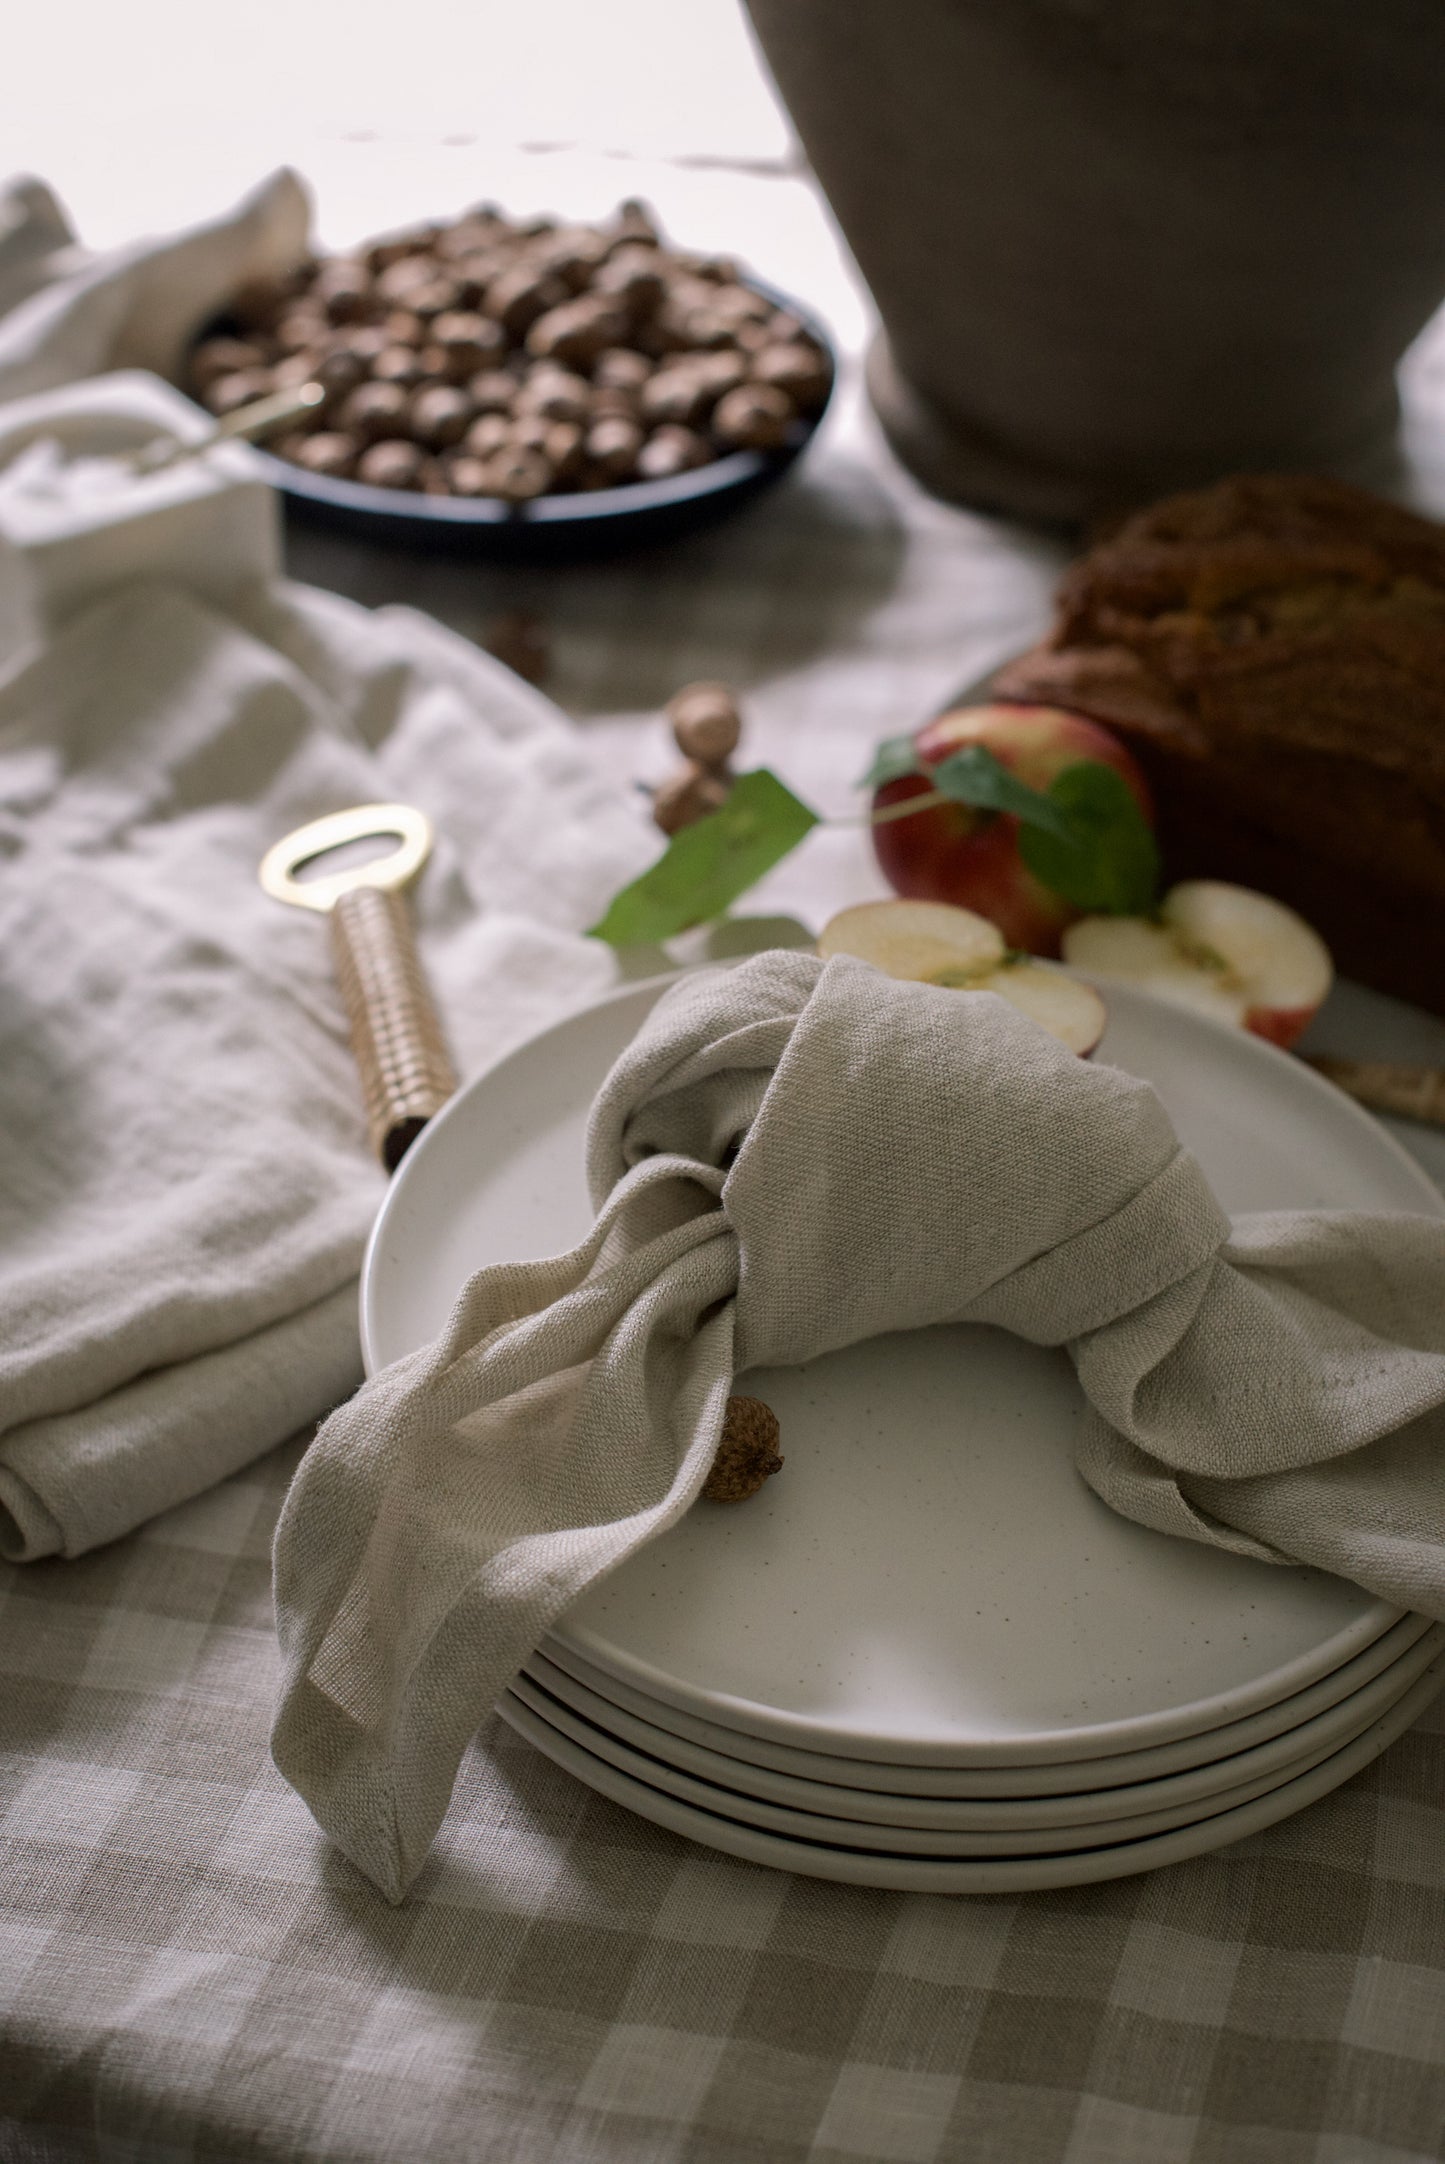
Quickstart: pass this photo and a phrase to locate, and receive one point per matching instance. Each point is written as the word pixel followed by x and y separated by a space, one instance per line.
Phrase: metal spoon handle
pixel 262 417
pixel 396 1036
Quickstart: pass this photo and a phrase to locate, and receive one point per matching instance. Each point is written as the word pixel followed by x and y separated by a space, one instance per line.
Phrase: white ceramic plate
pixel 928 1582
pixel 981 1875
pixel 839 1827
pixel 1273 1725
pixel 1193 1793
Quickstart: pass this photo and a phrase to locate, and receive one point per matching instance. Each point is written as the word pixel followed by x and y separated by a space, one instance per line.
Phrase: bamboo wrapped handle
pixel 406 1074
pixel 1411 1093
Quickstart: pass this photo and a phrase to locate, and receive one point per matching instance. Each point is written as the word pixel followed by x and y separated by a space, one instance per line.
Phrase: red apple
pixel 953 853
pixel 1222 950
pixel 935 943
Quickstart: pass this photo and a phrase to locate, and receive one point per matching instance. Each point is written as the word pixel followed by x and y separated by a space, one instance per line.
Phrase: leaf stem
pixel 903 809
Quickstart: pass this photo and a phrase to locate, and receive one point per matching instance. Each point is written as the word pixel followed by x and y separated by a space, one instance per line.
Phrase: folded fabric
pixel 793 1156
pixel 70 527
pixel 185 1187
pixel 67 313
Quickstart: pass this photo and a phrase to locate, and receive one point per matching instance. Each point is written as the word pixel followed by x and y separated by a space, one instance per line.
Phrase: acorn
pixel 747 1453
pixel 706 724
pixel 687 796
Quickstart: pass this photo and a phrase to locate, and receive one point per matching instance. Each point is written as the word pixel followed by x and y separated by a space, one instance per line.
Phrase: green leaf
pixel 1109 861
pixel 894 758
pixel 975 776
pixel 709 864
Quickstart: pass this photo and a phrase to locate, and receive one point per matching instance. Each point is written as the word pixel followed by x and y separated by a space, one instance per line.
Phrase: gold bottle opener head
pixel 364 822
pixel 406 1074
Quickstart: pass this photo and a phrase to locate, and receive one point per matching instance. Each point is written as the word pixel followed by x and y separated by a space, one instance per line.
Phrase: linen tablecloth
pixel 186 1972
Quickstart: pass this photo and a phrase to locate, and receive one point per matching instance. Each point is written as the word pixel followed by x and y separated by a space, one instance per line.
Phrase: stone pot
pixel 1122 246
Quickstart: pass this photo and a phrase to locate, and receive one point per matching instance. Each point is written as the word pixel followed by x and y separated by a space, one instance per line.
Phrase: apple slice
pixel 1132 950
pixel 1280 963
pixel 931 942
pixel 936 943
pixel 1068 1010
pixel 1222 950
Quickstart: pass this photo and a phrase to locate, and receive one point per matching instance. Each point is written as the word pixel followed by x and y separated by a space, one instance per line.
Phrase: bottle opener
pixel 406 1073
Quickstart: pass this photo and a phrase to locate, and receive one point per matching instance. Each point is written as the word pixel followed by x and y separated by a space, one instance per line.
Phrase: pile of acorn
pixel 506 359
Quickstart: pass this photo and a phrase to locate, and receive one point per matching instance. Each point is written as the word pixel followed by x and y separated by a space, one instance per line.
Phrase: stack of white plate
pixel 926 1656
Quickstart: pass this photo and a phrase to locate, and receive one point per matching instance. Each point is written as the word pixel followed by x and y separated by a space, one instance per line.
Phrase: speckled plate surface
pixel 928 1582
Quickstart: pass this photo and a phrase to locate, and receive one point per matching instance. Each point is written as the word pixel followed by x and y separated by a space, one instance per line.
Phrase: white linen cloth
pixel 185 1187
pixel 790 1157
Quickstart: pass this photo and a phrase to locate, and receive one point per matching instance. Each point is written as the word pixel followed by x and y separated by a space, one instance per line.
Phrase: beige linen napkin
pixel 185 1187
pixel 793 1156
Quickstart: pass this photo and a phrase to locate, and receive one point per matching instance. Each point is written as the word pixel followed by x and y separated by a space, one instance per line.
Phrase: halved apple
pixel 1222 950
pixel 935 943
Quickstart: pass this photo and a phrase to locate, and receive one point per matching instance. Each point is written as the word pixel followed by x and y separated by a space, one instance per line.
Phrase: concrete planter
pixel 1122 246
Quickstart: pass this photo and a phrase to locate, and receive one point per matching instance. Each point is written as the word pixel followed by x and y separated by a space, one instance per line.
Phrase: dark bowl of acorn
pixel 522 390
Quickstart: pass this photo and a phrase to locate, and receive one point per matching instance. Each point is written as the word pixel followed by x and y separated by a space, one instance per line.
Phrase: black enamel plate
pixel 550 529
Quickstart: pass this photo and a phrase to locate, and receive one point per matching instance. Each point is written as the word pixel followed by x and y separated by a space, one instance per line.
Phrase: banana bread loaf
pixel 1273 651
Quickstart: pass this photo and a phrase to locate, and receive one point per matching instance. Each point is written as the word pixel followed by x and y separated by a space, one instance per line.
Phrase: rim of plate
pixel 394 1201
pixel 1061 1778
pixel 1317 1733
pixel 1063 1836
pixel 1030 1874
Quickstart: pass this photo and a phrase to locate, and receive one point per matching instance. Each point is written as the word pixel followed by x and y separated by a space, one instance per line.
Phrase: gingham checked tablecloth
pixel 187 1972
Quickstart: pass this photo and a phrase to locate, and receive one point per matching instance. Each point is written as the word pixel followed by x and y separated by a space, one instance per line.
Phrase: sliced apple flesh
pixel 936 943
pixel 1068 1010
pixel 1131 950
pixel 930 942
pixel 1224 951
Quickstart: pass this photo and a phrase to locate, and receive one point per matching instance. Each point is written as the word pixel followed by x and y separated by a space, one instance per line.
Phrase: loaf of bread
pixel 1273 651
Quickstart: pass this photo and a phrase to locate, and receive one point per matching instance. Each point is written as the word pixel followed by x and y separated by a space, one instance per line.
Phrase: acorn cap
pixel 705 721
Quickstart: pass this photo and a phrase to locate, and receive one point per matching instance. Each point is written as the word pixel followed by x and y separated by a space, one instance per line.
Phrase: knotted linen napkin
pixel 793 1156
pixel 185 1187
